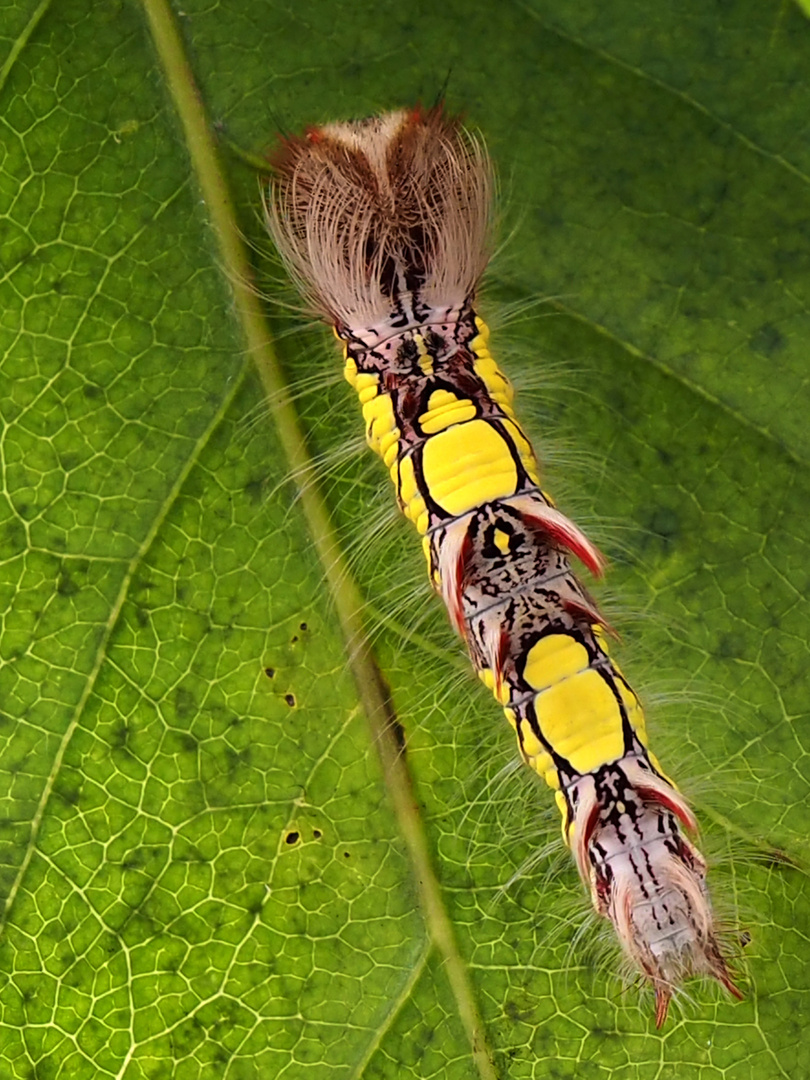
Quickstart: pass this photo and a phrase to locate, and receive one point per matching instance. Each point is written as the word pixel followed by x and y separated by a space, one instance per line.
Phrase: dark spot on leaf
pixel 255 905
pixel 767 340
pixel 294 638
pixel 91 392
pixel 290 699
pixel 291 838
pixel 12 537
pixel 727 647
pixel 69 788
pixel 303 626
pixel 317 834
pixel 398 731
pixel 184 704
pixel 346 855
pixel 392 724
pixel 188 742
pixel 184 1040
pixel 665 523
pixel 66 586
pixel 237 760
pixel 515 1013
pixel 140 585
pixel 254 489
pixel 620 402
pixel 69 461
pixel 192 854
pixel 270 672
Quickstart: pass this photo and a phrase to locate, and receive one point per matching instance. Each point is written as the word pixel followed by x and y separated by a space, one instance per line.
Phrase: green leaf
pixel 206 871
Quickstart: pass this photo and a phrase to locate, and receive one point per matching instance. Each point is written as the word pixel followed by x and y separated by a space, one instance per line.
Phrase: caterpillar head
pixel 645 876
pixel 381 220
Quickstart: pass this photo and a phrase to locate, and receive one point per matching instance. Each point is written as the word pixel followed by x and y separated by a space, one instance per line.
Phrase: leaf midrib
pixel 371 686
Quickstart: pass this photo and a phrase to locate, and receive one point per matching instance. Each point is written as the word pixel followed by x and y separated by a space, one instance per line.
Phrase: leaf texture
pixel 201 871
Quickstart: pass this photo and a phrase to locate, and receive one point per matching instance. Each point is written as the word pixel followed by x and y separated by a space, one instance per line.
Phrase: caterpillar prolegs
pixel 385 226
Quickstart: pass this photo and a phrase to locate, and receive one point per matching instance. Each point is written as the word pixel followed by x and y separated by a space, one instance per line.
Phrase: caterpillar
pixel 385 226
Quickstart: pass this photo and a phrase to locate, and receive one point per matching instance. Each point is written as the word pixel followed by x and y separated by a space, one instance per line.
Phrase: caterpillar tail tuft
pixel 385 225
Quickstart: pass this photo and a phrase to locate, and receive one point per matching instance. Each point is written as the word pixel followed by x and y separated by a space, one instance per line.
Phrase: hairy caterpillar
pixel 385 226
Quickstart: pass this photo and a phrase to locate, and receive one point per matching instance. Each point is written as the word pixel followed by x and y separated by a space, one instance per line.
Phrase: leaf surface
pixel 201 870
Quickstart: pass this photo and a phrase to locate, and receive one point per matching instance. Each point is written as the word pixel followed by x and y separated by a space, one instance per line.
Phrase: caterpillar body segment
pixel 385 224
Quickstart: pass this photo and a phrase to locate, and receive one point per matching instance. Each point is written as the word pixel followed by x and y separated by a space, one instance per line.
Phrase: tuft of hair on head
pixel 364 212
pixel 653 890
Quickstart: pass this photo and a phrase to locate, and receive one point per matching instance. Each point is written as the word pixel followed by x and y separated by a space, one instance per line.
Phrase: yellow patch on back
pixel 366 386
pixel 413 505
pixel 498 385
pixel 549 772
pixel 389 447
pixel 445 409
pixel 482 328
pixel 378 414
pixel 635 714
pixel 524 449
pixel 537 757
pixel 553 658
pixel 467 465
pixel 581 720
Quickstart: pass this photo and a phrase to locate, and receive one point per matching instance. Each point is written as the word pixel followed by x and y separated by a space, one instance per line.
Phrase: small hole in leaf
pixel 270 672
pixel 290 699
pixel 291 838
pixel 346 855
pixel 317 834
pixel 303 626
